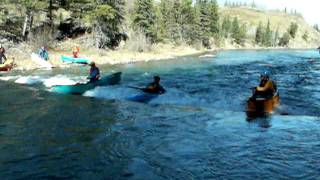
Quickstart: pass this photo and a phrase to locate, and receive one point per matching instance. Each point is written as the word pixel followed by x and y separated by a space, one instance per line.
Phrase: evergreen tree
pixel 259 34
pixel 144 18
pixel 226 26
pixel 187 20
pixel 205 22
pixel 213 17
pixel 31 7
pixel 235 31
pixel 267 36
pixel 305 36
pixel 275 38
pixel 226 4
pixel 173 22
pixel 106 18
pixel 242 34
pixel 316 27
pixel 293 29
pixel 195 33
pixel 284 40
pixel 253 4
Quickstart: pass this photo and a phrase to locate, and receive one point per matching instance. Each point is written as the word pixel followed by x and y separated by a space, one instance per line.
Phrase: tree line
pixel 266 37
pixel 197 23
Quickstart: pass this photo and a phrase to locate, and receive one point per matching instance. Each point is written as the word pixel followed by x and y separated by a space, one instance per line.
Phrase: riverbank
pixel 22 53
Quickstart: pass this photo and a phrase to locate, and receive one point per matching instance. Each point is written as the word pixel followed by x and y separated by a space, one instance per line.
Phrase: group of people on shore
pixel 44 54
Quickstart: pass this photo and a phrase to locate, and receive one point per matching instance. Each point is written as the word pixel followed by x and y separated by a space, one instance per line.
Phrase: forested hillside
pixel 138 24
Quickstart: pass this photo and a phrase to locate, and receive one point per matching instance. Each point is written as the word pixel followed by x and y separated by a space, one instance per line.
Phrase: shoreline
pixel 160 52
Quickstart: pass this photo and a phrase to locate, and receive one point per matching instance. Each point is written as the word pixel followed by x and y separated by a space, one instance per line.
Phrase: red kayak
pixel 6 66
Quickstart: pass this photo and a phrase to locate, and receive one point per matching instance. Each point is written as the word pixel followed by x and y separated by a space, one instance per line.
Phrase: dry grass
pixel 278 20
pixel 22 54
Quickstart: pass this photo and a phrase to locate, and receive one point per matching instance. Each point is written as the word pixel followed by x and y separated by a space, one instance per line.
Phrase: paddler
pixel 43 53
pixel 267 87
pixel 155 87
pixel 2 51
pixel 75 51
pixel 94 72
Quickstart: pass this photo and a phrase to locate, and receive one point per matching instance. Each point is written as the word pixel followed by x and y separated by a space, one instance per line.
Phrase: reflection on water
pixel 197 130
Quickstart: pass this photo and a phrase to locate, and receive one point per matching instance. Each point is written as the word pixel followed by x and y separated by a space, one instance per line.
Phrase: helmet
pixel 265 74
pixel 156 78
pixel 92 63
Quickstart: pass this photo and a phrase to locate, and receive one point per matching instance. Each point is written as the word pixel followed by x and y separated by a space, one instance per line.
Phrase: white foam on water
pixel 175 97
pixel 9 78
pixel 110 92
pixel 207 56
pixel 29 80
pixel 62 80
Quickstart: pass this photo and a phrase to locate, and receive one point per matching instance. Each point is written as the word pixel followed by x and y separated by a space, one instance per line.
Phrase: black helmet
pixel 156 78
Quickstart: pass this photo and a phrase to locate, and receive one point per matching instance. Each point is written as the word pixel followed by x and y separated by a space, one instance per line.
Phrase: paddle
pixel 133 87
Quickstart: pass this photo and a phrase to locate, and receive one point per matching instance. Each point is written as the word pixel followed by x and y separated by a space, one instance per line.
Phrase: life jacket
pixel 155 88
pixel 94 73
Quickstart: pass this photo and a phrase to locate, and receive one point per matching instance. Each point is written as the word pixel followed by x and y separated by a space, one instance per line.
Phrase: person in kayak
pixel 75 51
pixel 154 87
pixel 267 88
pixel 43 53
pixel 94 72
pixel 2 56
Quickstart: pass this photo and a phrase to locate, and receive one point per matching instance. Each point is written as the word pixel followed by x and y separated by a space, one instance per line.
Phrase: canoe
pixel 82 88
pixel 40 62
pixel 143 97
pixel 74 60
pixel 7 66
pixel 262 106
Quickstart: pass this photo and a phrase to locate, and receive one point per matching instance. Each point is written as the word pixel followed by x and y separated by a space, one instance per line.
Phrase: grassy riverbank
pixel 100 56
pixel 22 53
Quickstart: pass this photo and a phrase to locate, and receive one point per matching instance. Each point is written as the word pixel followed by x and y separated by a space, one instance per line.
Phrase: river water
pixel 197 130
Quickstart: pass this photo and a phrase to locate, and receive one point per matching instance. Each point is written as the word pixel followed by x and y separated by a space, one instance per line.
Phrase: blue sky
pixel 310 9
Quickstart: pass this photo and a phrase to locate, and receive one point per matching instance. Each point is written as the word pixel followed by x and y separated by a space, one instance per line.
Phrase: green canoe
pixel 82 88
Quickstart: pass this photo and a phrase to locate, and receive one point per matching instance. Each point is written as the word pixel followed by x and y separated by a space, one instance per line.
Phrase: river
pixel 197 130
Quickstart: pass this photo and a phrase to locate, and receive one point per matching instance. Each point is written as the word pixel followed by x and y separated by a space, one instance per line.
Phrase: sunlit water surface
pixel 197 130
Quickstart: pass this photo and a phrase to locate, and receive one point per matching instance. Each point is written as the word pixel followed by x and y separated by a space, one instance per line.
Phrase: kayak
pixel 112 79
pixel 74 60
pixel 262 106
pixel 40 62
pixel 143 97
pixel 7 66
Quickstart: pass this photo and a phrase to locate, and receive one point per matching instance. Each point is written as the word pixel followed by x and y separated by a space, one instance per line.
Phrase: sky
pixel 308 8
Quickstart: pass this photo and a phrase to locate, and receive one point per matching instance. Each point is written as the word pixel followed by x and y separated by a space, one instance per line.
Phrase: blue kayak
pixel 74 60
pixel 112 79
pixel 143 97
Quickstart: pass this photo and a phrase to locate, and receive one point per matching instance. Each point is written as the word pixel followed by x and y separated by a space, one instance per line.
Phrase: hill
pixel 278 21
